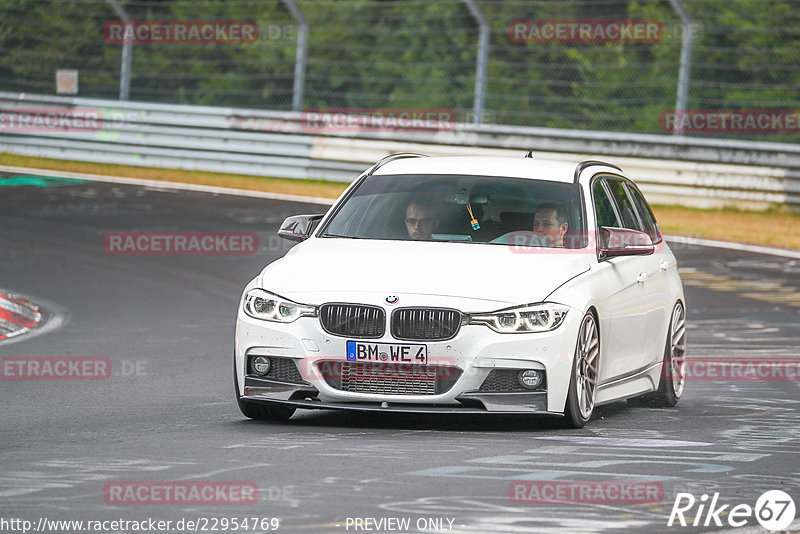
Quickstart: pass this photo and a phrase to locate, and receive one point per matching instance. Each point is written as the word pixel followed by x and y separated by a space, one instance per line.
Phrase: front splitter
pixel 474 403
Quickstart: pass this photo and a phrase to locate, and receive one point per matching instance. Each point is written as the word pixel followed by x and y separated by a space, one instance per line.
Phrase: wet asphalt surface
pixel 167 413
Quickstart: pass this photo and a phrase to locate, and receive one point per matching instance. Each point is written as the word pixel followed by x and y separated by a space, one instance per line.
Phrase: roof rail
pixel 391 157
pixel 588 163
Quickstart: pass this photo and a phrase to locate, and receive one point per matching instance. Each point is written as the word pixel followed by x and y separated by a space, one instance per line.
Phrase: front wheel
pixel 583 380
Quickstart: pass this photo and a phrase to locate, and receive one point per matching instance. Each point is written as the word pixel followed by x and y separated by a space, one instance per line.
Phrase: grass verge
pixel 776 228
pixel 313 188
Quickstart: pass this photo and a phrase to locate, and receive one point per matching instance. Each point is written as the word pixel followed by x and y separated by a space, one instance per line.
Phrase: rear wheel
pixel 583 381
pixel 673 371
pixel 258 410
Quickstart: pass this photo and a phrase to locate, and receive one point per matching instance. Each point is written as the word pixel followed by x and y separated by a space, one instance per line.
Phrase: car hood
pixel 338 269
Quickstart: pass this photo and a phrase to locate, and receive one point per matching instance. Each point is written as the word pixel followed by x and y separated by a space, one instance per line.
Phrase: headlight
pixel 263 305
pixel 536 318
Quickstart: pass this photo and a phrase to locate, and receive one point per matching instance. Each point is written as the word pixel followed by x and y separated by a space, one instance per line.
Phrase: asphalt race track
pixel 167 412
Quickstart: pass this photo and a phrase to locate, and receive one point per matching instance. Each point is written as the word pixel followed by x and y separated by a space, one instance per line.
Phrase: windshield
pixel 469 209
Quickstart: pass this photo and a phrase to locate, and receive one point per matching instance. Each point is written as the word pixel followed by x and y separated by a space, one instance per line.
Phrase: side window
pixel 626 210
pixel 646 214
pixel 603 209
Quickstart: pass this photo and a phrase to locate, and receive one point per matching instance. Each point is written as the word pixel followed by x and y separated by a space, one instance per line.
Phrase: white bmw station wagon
pixel 467 285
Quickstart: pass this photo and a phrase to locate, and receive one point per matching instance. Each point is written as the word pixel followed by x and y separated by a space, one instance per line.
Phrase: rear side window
pixel 603 209
pixel 624 205
pixel 646 214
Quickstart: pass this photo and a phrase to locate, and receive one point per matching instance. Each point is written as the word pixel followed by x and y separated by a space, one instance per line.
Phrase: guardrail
pixel 670 169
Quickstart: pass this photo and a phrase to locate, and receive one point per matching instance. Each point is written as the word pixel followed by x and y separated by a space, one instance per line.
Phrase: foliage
pixel 422 54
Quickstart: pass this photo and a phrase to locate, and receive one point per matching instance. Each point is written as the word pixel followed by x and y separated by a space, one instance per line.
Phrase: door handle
pixel 642 278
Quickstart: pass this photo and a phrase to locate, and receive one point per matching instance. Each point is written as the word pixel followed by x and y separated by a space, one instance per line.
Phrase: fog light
pixel 260 365
pixel 530 379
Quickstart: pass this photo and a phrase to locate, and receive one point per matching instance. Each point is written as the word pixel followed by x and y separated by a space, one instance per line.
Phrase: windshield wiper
pixel 344 236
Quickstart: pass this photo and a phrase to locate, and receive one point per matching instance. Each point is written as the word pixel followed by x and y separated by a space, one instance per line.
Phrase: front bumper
pixel 475 351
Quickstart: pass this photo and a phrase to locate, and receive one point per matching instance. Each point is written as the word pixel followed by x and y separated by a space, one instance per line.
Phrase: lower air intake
pixel 389 379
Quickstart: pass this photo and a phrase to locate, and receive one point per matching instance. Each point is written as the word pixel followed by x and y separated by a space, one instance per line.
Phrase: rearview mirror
pixel 616 242
pixel 463 198
pixel 299 227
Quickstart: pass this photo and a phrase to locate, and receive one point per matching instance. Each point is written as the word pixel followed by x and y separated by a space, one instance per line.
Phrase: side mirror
pixel 299 227
pixel 616 242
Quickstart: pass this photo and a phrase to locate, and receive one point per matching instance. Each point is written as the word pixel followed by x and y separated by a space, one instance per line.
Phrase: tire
pixel 260 411
pixel 583 379
pixel 673 371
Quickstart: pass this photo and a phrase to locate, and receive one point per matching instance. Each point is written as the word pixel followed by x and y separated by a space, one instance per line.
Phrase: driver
pixel 550 222
pixel 421 219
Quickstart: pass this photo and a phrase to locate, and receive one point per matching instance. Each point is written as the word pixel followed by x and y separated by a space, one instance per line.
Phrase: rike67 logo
pixel 774 510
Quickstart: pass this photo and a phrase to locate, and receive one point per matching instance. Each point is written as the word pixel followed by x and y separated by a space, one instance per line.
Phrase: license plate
pixel 411 353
